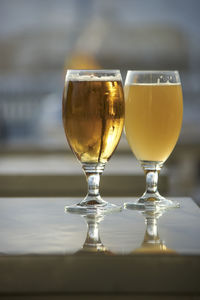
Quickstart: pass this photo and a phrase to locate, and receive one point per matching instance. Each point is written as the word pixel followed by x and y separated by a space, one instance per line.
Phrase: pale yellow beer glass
pixel 153 118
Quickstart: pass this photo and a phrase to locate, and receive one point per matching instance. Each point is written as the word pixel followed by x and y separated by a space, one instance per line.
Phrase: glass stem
pixel 93 173
pixel 93 181
pixel 151 170
pixel 151 181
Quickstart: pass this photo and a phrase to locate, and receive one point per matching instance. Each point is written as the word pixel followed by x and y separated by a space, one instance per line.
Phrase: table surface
pixel 46 253
pixel 41 226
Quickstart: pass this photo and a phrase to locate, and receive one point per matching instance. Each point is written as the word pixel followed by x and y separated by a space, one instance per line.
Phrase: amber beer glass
pixel 153 110
pixel 93 117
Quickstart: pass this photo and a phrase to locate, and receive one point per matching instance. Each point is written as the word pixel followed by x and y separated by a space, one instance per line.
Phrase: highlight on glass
pixel 153 119
pixel 93 119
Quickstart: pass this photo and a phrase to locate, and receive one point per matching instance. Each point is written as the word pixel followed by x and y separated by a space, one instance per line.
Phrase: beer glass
pixel 93 118
pixel 153 118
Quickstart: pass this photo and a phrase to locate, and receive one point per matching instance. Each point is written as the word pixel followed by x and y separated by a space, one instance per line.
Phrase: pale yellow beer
pixel 153 118
pixel 93 118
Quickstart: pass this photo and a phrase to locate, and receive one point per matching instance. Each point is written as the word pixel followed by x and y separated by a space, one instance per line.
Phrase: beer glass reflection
pixel 93 242
pixel 152 243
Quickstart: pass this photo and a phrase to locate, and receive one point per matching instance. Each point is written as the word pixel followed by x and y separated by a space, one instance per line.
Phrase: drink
pixel 153 119
pixel 93 116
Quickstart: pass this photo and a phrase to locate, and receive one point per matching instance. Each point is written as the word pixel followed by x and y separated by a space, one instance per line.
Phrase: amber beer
pixel 93 116
pixel 153 119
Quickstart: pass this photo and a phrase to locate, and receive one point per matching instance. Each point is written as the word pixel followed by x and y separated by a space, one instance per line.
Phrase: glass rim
pixel 93 70
pixel 152 77
pixel 153 71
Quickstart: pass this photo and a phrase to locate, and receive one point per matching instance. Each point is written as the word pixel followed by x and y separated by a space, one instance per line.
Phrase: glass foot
pixel 151 202
pixel 93 206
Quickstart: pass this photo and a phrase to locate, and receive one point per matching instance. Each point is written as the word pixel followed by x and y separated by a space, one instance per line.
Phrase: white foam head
pixel 93 75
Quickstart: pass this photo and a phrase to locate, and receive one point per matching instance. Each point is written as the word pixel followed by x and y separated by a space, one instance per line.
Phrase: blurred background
pixel 41 39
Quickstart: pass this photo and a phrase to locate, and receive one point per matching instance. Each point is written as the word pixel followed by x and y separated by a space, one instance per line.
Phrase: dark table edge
pixel 138 273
